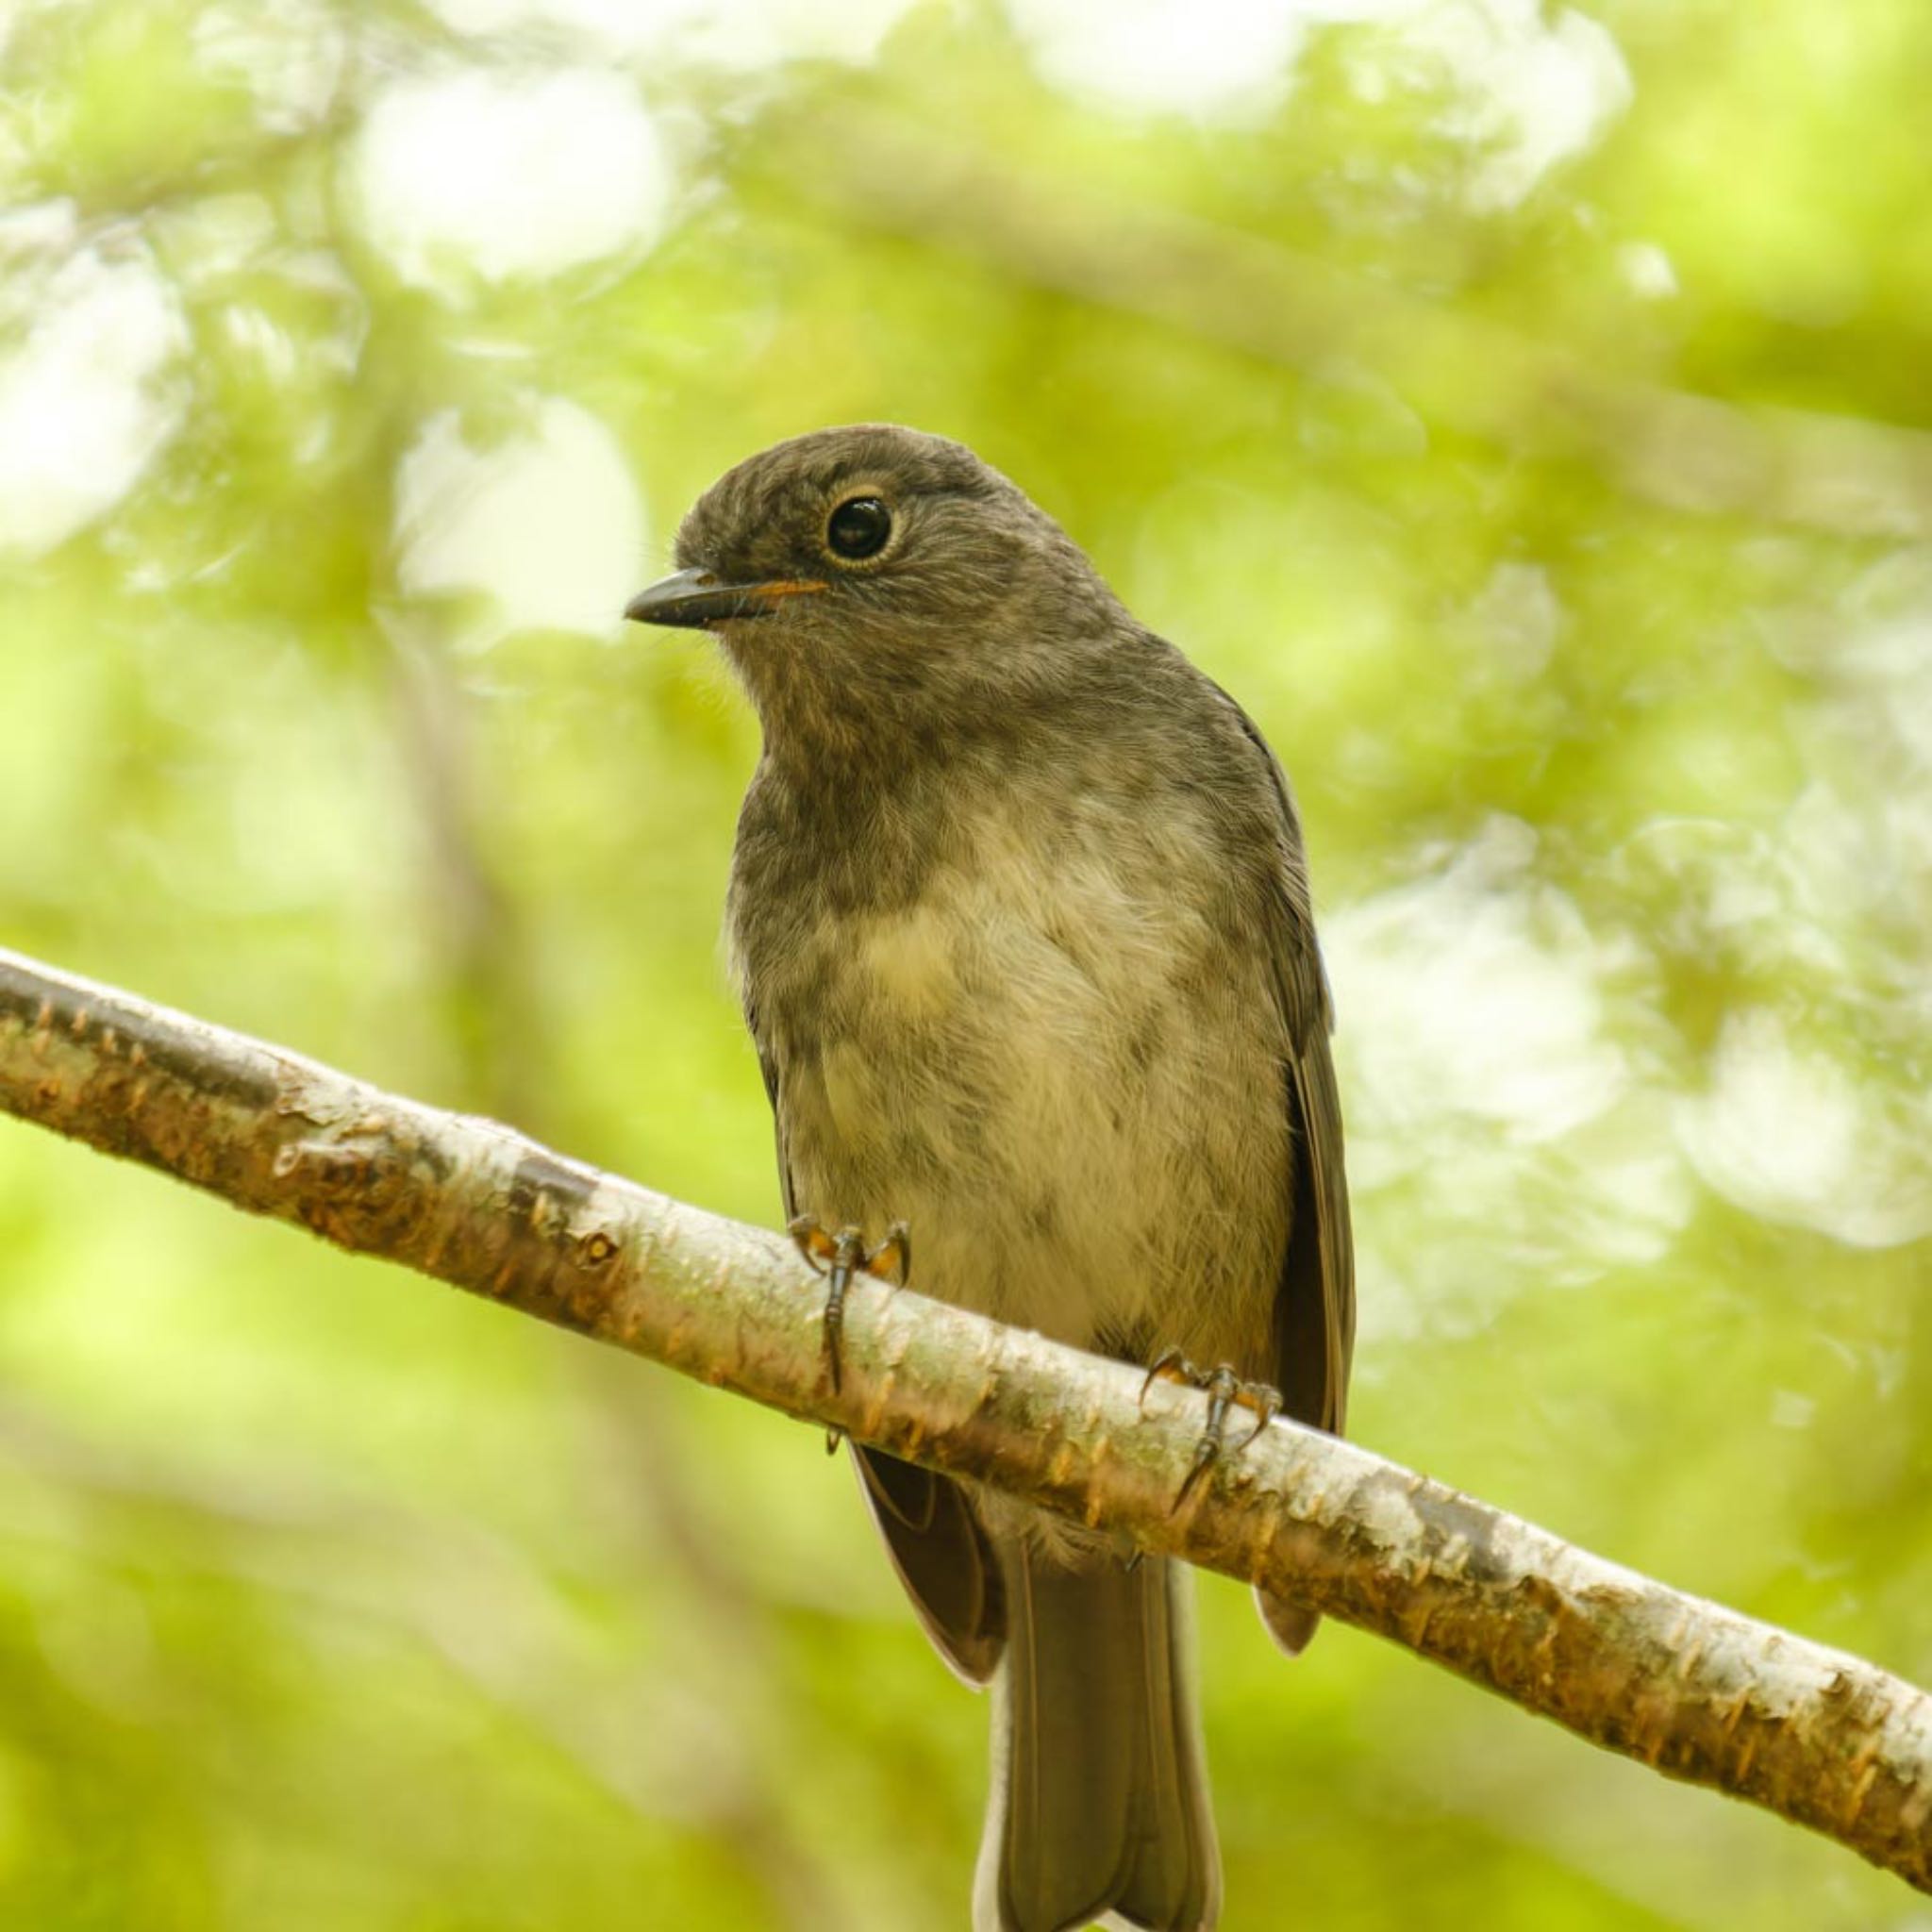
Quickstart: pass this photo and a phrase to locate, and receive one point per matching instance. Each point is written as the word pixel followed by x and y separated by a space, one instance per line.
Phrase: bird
pixel 1020 917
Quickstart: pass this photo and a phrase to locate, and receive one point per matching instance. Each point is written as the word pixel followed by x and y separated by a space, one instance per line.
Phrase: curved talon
pixel 894 1252
pixel 812 1242
pixel 1267 1407
pixel 1176 1367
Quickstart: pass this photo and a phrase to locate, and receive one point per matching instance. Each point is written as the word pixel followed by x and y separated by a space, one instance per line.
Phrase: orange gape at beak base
pixel 695 598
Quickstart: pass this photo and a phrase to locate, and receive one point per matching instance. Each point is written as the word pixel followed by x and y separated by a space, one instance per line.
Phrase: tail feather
pixel 1099 1802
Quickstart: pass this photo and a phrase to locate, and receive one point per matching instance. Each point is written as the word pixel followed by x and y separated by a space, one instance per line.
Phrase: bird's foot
pixel 838 1257
pixel 1225 1391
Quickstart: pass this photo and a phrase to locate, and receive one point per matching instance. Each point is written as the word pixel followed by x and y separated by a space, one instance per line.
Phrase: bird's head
pixel 874 575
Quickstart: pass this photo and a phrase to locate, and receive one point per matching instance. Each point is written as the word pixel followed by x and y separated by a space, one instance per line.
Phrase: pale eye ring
pixel 859 528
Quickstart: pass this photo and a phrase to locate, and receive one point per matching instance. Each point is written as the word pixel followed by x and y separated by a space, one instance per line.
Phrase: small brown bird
pixel 1020 915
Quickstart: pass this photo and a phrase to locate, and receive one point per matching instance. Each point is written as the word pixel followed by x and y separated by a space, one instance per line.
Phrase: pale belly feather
pixel 1070 1088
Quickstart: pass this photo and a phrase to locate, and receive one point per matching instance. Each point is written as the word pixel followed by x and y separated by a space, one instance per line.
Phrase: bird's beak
pixel 695 598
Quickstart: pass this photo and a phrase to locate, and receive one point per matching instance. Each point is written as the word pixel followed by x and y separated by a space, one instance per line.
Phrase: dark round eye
pixel 859 527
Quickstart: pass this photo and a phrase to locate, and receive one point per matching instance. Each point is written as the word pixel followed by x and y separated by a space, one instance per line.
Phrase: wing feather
pixel 1314 1295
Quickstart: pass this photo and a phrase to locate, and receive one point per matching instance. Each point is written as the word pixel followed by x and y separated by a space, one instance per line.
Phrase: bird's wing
pixel 1314 1293
pixel 944 1556
pixel 936 1541
pixel 768 1066
pixel 1314 1299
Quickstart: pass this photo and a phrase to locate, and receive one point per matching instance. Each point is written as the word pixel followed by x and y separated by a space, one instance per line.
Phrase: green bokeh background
pixel 329 1599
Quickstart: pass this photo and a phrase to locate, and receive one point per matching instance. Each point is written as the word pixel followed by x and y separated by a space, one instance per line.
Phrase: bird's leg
pixel 838 1256
pixel 1225 1391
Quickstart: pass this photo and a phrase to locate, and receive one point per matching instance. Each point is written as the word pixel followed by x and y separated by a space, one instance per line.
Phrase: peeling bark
pixel 1696 1691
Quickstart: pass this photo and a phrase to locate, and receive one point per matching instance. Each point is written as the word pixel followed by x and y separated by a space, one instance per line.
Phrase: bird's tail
pixel 1099 1800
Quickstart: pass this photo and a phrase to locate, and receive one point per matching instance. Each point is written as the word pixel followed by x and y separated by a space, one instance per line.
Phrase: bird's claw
pixel 1224 1390
pixel 838 1257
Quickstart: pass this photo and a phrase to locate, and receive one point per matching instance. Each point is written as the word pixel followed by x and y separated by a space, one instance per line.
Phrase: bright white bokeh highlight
pixel 1647 271
pixel 1514 1140
pixel 1789 1135
pixel 293 55
pixel 547 526
pixel 1474 991
pixel 716 33
pixel 1534 91
pixel 1530 90
pixel 84 404
pixel 1214 58
pixel 518 173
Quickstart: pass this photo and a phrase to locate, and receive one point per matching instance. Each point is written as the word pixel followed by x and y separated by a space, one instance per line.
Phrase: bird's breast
pixel 1059 1060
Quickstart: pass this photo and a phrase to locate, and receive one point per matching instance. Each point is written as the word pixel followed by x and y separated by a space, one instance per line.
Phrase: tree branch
pixel 1694 1690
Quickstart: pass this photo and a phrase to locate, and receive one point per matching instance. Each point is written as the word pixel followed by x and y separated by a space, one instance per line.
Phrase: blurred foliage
pixel 355 360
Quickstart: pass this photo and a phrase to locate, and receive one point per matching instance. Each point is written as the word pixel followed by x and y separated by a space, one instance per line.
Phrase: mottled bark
pixel 1694 1690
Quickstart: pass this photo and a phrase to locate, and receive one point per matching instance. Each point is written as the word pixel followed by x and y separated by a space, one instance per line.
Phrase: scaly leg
pixel 1225 1391
pixel 838 1256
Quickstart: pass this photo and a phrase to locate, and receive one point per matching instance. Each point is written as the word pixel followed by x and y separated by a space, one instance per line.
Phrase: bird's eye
pixel 858 527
